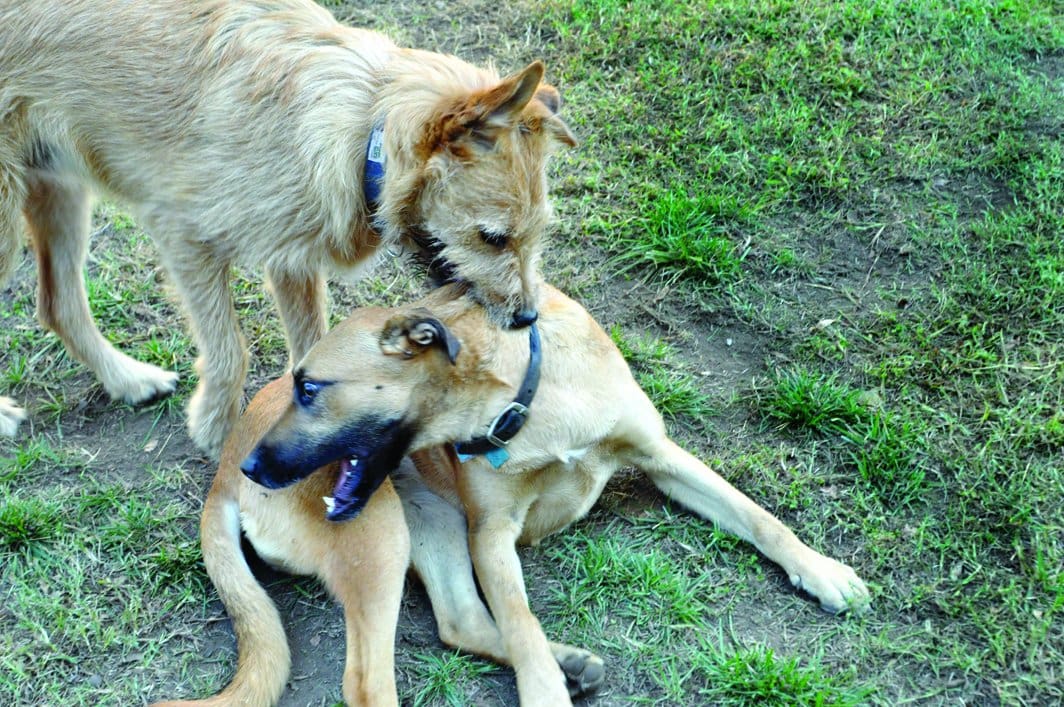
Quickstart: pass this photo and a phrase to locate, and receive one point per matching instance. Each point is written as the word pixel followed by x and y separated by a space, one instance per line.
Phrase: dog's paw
pixel 210 417
pixel 584 671
pixel 10 417
pixel 836 585
pixel 140 382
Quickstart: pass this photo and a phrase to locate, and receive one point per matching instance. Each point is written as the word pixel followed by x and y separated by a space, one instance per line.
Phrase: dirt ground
pixel 726 352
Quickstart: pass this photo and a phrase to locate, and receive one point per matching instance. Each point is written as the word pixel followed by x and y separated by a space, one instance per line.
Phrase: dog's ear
pixel 549 96
pixel 552 122
pixel 502 105
pixel 408 335
pixel 483 114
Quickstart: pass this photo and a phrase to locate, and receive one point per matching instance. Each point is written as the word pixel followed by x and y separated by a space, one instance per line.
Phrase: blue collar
pixel 507 423
pixel 373 177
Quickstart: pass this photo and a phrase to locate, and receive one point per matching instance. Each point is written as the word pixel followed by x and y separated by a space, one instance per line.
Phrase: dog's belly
pixel 567 493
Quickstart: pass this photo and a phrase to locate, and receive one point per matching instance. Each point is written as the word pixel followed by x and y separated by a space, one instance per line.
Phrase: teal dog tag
pixel 497 457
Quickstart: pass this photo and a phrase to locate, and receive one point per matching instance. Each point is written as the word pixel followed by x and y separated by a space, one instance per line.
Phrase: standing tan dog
pixel 385 381
pixel 362 563
pixel 258 132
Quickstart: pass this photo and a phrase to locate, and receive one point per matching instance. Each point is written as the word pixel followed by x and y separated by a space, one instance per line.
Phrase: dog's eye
pixel 307 390
pixel 495 240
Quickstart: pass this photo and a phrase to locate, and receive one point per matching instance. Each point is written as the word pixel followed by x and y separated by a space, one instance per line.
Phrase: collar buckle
pixel 507 424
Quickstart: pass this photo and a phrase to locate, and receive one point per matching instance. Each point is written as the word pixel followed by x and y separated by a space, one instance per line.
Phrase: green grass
pixel 865 197
pixel 674 390
pixel 756 675
pixel 444 679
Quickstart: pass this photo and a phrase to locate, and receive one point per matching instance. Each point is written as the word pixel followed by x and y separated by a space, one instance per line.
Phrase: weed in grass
pixel 883 451
pixel 27 525
pixel 35 457
pixel 675 392
pixel 755 675
pixel 640 350
pixel 17 371
pixel 444 678
pixel 676 395
pixel 804 400
pixel 683 237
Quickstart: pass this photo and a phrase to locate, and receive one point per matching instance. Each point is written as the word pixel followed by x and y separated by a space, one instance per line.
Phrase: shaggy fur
pixel 440 369
pixel 236 132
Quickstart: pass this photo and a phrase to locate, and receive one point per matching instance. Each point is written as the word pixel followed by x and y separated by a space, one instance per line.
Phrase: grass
pixel 865 197
pixel 445 679
pixel 673 389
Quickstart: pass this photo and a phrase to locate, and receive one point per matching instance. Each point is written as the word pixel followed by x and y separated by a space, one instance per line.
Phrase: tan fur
pixel 362 563
pixel 589 418
pixel 236 131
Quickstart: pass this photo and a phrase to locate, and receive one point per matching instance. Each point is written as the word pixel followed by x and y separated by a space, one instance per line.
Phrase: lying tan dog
pixel 362 563
pixel 390 380
pixel 262 133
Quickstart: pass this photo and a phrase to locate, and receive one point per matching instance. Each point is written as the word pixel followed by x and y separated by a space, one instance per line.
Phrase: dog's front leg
pixel 364 567
pixel 492 542
pixel 301 303
pixel 203 283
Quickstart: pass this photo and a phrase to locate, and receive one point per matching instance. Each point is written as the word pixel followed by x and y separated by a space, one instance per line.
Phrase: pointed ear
pixel 408 335
pixel 549 96
pixel 482 115
pixel 503 105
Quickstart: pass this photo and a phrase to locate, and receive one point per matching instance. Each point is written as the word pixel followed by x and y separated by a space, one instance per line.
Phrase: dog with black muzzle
pixel 418 379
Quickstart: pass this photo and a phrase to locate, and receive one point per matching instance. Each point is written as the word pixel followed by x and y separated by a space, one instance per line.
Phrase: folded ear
pixel 552 100
pixel 408 335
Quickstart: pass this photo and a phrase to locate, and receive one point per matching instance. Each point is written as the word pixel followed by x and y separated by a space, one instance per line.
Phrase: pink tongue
pixel 345 475
pixel 345 471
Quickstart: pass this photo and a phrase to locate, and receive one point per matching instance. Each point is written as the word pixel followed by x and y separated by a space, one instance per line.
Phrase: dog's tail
pixel 264 663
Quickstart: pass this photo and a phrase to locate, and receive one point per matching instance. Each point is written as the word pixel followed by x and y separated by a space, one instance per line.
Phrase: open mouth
pixel 367 450
pixel 351 492
pixel 430 255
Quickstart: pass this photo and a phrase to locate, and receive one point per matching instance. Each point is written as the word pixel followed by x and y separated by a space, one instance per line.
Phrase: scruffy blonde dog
pixel 261 133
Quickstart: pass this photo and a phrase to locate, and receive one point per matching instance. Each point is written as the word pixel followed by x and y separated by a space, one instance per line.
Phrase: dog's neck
pixel 494 359
pixel 508 423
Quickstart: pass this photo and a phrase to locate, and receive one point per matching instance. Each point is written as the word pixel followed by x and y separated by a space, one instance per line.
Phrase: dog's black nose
pixel 251 467
pixel 526 317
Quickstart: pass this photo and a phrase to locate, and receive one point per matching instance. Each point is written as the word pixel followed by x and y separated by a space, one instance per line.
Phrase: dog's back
pixel 151 102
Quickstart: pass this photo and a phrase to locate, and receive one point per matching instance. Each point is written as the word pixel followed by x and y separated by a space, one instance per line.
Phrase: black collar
pixel 508 423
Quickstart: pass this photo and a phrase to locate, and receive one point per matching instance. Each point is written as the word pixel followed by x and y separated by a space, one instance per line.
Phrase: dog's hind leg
pixel 58 210
pixel 691 483
pixel 302 304
pixel 202 280
pixel 12 199
pixel 439 554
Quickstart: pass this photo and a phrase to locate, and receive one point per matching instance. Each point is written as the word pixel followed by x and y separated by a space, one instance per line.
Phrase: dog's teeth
pixel 330 503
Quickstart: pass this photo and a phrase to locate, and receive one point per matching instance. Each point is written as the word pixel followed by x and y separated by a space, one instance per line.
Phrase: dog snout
pixel 524 318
